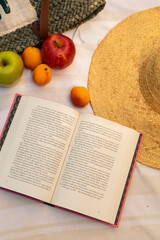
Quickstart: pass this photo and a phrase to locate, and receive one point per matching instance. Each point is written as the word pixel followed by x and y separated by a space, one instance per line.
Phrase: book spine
pixel 128 181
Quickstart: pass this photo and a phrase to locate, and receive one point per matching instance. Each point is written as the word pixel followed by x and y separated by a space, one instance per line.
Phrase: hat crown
pixel 156 71
pixel 150 81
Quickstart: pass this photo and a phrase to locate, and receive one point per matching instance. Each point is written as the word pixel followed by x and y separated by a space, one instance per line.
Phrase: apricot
pixel 80 96
pixel 31 57
pixel 42 74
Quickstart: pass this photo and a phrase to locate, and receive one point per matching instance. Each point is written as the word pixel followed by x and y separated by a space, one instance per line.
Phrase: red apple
pixel 58 51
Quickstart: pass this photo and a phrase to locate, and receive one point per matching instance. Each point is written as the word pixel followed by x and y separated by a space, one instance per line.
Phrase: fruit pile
pixel 57 52
pixel 32 59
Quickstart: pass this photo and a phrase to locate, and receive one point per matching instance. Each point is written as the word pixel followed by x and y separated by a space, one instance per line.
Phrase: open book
pixel 82 163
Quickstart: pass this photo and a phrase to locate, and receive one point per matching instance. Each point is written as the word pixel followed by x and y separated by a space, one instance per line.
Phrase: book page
pixel 35 147
pixel 96 168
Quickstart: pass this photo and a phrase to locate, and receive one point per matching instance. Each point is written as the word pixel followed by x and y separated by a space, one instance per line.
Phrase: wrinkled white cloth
pixel 20 13
pixel 23 218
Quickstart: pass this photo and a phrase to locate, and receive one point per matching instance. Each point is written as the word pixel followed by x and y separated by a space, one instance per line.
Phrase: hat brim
pixel 114 79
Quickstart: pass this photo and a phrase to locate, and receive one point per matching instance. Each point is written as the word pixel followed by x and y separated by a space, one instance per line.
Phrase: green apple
pixel 11 68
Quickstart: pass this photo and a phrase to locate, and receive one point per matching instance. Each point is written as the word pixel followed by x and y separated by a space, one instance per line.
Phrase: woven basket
pixel 63 15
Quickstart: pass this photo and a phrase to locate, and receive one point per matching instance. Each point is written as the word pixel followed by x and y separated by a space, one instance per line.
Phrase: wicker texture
pixel 120 82
pixel 63 15
pixel 150 80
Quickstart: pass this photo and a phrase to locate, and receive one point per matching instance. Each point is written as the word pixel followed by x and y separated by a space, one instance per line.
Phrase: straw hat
pixel 124 79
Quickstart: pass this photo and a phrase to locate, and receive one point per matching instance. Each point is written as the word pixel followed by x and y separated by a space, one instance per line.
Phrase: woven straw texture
pixel 120 82
pixel 63 15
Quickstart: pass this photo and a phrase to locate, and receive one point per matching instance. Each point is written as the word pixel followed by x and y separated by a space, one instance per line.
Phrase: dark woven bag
pixel 63 15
